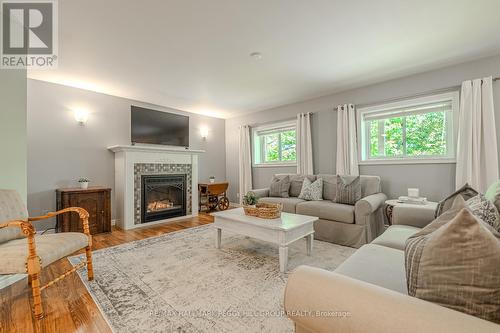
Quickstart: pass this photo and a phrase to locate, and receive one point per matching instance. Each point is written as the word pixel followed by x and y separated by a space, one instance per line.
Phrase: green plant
pixel 83 180
pixel 250 198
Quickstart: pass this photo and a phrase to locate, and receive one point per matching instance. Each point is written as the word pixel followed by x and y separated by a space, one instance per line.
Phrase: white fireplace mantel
pixel 128 156
pixel 153 149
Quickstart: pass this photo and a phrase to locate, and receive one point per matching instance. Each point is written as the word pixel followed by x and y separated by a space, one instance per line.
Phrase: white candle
pixel 413 192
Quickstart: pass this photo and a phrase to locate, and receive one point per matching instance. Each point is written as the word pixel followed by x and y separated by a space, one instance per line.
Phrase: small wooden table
pixel 213 195
pixel 282 232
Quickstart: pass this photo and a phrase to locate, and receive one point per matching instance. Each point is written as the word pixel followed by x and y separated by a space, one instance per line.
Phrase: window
pixel 419 129
pixel 274 144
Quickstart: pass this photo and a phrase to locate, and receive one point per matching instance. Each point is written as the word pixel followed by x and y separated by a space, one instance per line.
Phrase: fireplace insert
pixel 163 197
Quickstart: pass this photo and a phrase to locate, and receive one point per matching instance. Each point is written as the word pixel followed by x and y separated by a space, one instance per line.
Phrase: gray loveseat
pixel 338 223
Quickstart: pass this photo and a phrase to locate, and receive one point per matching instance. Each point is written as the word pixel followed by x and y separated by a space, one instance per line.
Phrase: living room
pixel 326 163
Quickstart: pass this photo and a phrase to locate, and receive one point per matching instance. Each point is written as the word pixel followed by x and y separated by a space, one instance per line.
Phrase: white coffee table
pixel 282 232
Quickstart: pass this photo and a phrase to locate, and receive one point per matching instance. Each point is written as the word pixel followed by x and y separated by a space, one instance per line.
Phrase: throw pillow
pixel 485 210
pixel 465 191
pixel 348 189
pixel 312 191
pixel 456 266
pixel 296 182
pixel 279 187
pixel 493 194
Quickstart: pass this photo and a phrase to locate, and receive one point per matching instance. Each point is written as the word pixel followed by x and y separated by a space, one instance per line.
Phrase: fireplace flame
pixel 159 205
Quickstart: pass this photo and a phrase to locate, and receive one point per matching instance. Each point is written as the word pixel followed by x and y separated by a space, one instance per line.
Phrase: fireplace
pixel 163 197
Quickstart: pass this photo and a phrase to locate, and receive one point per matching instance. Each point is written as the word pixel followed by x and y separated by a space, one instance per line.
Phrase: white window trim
pixel 443 97
pixel 268 127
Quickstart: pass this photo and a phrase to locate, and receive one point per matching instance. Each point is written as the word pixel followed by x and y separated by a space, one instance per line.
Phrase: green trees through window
pixel 275 146
pixel 280 146
pixel 413 135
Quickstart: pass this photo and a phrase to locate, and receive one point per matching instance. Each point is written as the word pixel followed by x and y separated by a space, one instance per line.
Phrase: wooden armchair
pixel 23 252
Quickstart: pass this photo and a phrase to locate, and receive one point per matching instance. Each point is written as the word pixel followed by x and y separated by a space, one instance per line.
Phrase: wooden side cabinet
pixel 96 200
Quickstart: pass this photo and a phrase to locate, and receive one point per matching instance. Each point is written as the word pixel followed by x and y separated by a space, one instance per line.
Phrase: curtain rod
pixel 422 94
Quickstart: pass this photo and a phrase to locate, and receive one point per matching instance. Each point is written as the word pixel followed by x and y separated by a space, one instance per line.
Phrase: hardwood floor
pixel 67 305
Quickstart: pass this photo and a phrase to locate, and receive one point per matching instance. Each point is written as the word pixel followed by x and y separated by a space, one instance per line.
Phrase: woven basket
pixel 251 211
pixel 264 210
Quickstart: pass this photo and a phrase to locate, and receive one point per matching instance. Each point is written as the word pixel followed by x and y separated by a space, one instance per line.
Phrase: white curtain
pixel 347 142
pixel 304 145
pixel 245 161
pixel 477 155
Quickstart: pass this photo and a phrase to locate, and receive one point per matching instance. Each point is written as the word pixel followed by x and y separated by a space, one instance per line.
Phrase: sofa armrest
pixel 323 302
pixel 412 215
pixel 369 204
pixel 261 193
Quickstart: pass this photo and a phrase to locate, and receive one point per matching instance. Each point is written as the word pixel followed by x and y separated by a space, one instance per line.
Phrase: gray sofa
pixel 338 223
pixel 370 292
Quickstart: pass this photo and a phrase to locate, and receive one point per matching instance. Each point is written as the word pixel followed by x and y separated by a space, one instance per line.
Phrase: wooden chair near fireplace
pixel 21 251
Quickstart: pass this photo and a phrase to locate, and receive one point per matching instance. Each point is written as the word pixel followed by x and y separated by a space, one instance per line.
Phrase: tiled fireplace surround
pixel 159 169
pixel 131 162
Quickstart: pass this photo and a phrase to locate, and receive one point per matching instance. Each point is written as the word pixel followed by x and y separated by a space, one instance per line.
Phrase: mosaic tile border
pixel 160 169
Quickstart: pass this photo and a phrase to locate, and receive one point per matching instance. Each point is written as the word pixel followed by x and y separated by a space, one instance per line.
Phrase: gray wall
pixel 434 180
pixel 13 142
pixel 60 151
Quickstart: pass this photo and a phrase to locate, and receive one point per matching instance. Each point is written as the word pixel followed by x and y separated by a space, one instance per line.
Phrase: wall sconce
pixel 204 133
pixel 81 116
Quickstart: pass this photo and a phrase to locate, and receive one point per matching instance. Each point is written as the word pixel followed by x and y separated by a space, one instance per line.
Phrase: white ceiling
pixel 193 55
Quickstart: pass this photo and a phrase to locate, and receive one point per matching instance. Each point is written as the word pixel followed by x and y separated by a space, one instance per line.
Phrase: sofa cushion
pixel 312 191
pixel 456 266
pixel 348 190
pixel 395 236
pixel 327 210
pixel 288 203
pixel 49 248
pixel 280 187
pixel 329 186
pixel 379 265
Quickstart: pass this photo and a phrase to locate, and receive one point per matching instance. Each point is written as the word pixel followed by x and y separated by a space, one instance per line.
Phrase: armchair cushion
pixel 12 207
pixel 49 248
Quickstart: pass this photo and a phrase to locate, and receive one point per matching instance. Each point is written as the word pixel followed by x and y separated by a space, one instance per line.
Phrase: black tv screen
pixel 157 127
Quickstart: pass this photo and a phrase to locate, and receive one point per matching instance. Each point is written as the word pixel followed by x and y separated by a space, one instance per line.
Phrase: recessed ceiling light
pixel 256 55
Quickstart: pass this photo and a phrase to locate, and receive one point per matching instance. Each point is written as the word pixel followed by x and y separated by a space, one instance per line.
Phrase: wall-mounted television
pixel 158 127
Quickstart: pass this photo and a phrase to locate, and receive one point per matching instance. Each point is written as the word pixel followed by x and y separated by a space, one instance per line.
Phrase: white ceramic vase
pixel 84 185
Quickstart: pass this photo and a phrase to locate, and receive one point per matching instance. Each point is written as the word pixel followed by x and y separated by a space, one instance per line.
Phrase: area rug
pixel 179 282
